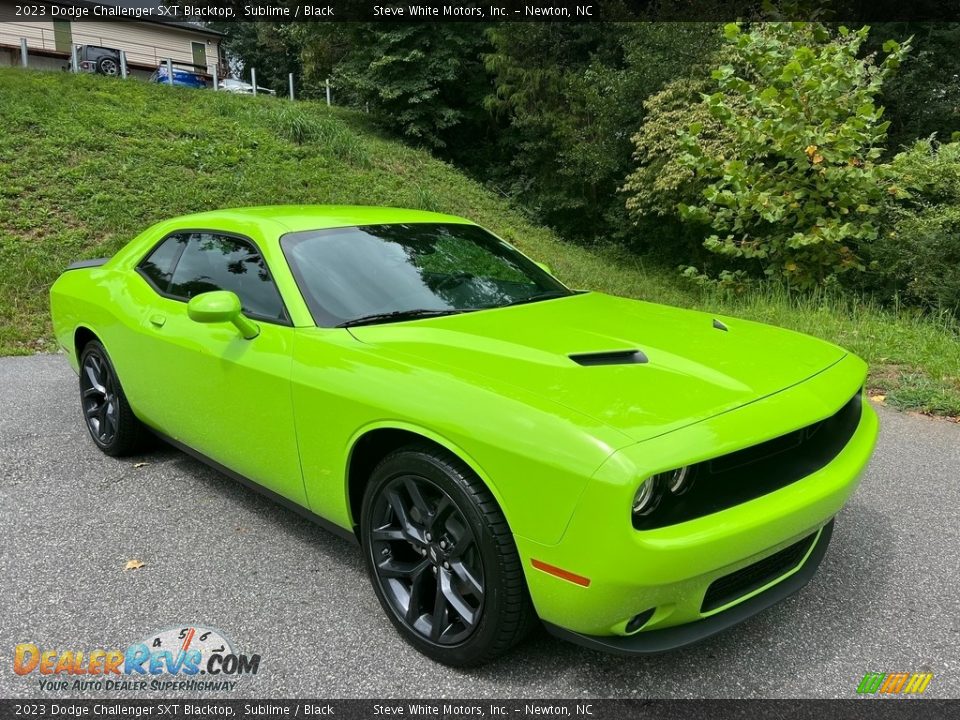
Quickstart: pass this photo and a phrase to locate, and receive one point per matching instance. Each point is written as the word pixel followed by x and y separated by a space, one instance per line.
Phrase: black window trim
pixel 284 322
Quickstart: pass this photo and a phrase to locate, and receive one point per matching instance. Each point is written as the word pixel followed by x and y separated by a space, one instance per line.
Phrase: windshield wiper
pixel 548 295
pixel 398 315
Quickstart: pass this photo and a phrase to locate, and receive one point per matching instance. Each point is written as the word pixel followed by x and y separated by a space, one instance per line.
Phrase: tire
pixel 106 412
pixel 442 559
pixel 108 66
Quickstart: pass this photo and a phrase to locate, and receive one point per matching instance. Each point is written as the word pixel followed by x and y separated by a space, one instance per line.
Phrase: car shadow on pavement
pixel 284 520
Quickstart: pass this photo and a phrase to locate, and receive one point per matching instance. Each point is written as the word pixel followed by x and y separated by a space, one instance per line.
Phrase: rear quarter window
pixel 157 267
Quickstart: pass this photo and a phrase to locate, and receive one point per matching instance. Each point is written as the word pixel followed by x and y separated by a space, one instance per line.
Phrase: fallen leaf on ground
pixel 133 565
pixel 878 398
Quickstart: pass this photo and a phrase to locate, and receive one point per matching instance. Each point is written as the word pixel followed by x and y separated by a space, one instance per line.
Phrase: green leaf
pixel 771 93
pixel 731 30
pixel 790 71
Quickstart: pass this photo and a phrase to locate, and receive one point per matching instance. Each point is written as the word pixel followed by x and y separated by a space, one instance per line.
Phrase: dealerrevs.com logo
pixel 186 658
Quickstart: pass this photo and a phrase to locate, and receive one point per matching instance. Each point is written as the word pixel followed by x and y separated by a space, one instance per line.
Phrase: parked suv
pixel 96 59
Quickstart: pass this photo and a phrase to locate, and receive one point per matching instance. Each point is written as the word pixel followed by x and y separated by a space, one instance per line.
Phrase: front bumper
pixel 677 636
pixel 671 569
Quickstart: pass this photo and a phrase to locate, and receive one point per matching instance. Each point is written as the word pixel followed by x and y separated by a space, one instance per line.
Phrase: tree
pixel 661 181
pixel 917 256
pixel 923 98
pixel 423 82
pixel 569 95
pixel 272 48
pixel 798 190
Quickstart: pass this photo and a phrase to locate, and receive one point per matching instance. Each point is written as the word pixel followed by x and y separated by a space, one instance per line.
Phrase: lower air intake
pixel 753 577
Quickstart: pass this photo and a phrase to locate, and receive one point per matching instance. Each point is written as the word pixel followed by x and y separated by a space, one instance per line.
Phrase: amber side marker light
pixel 561 573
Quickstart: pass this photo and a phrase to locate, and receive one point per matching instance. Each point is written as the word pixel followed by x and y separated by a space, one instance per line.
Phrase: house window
pixel 200 55
pixel 62 36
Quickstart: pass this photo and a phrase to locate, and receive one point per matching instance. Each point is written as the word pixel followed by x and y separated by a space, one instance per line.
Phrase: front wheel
pixel 442 559
pixel 106 412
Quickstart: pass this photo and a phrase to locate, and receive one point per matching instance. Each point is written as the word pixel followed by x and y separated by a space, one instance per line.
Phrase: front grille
pixel 753 577
pixel 737 477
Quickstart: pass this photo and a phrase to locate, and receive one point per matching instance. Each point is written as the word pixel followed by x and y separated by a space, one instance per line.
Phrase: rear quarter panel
pixel 90 298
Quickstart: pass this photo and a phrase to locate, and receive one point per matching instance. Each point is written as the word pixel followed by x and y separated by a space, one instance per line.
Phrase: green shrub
pixel 797 191
pixel 917 257
pixel 661 181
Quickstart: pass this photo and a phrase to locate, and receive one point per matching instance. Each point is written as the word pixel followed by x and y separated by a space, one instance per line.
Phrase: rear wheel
pixel 442 559
pixel 108 66
pixel 106 412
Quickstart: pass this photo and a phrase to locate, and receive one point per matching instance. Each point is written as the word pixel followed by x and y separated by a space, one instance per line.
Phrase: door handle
pixel 157 320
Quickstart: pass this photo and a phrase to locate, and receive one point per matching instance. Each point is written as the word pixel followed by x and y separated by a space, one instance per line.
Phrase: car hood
pixel 693 369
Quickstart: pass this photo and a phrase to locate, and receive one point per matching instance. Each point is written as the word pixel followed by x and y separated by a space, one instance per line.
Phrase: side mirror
pixel 544 267
pixel 221 306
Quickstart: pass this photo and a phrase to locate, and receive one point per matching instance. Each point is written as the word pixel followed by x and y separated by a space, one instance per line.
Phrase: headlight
pixel 652 490
pixel 647 497
pixel 679 480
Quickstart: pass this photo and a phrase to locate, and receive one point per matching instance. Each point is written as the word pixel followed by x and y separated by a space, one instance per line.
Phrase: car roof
pixel 281 219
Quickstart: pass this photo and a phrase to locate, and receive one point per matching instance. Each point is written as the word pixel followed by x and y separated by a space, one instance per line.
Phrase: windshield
pixel 392 272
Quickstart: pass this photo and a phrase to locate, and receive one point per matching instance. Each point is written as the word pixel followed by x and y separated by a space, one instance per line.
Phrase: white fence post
pixel 216 80
pixel 291 86
pixel 74 62
pixel 169 71
pixel 23 52
pixel 328 92
pixel 123 64
pixel 253 80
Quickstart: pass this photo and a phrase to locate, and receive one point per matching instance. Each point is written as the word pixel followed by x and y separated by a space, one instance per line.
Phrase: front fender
pixel 533 455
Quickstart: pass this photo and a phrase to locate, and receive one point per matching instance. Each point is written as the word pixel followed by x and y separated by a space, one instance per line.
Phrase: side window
pixel 216 262
pixel 157 267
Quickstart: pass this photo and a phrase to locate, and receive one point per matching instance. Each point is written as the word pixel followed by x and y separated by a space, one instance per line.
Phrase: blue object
pixel 184 78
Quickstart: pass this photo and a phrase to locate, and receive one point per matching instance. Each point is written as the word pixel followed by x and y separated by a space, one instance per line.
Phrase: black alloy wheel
pixel 106 412
pixel 427 560
pixel 98 393
pixel 441 558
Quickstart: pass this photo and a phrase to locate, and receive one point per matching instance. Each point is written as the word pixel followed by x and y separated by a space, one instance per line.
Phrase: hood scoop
pixel 610 357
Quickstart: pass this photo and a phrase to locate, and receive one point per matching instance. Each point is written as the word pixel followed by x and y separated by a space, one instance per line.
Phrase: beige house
pixel 147 43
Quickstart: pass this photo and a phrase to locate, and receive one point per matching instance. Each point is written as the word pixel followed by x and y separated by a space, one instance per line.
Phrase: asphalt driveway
pixel 217 555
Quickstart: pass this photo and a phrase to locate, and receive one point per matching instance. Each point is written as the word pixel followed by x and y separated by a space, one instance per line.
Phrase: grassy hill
pixel 86 163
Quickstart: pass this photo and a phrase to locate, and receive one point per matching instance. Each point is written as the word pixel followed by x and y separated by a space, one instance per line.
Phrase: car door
pixel 210 389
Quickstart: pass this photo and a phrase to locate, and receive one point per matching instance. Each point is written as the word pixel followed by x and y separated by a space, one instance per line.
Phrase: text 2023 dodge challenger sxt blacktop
pixel 636 476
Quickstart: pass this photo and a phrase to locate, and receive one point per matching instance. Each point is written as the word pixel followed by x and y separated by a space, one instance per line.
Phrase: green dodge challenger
pixel 503 448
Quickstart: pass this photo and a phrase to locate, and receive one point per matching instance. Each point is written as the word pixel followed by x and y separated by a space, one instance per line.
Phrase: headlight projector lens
pixel 680 480
pixel 647 497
